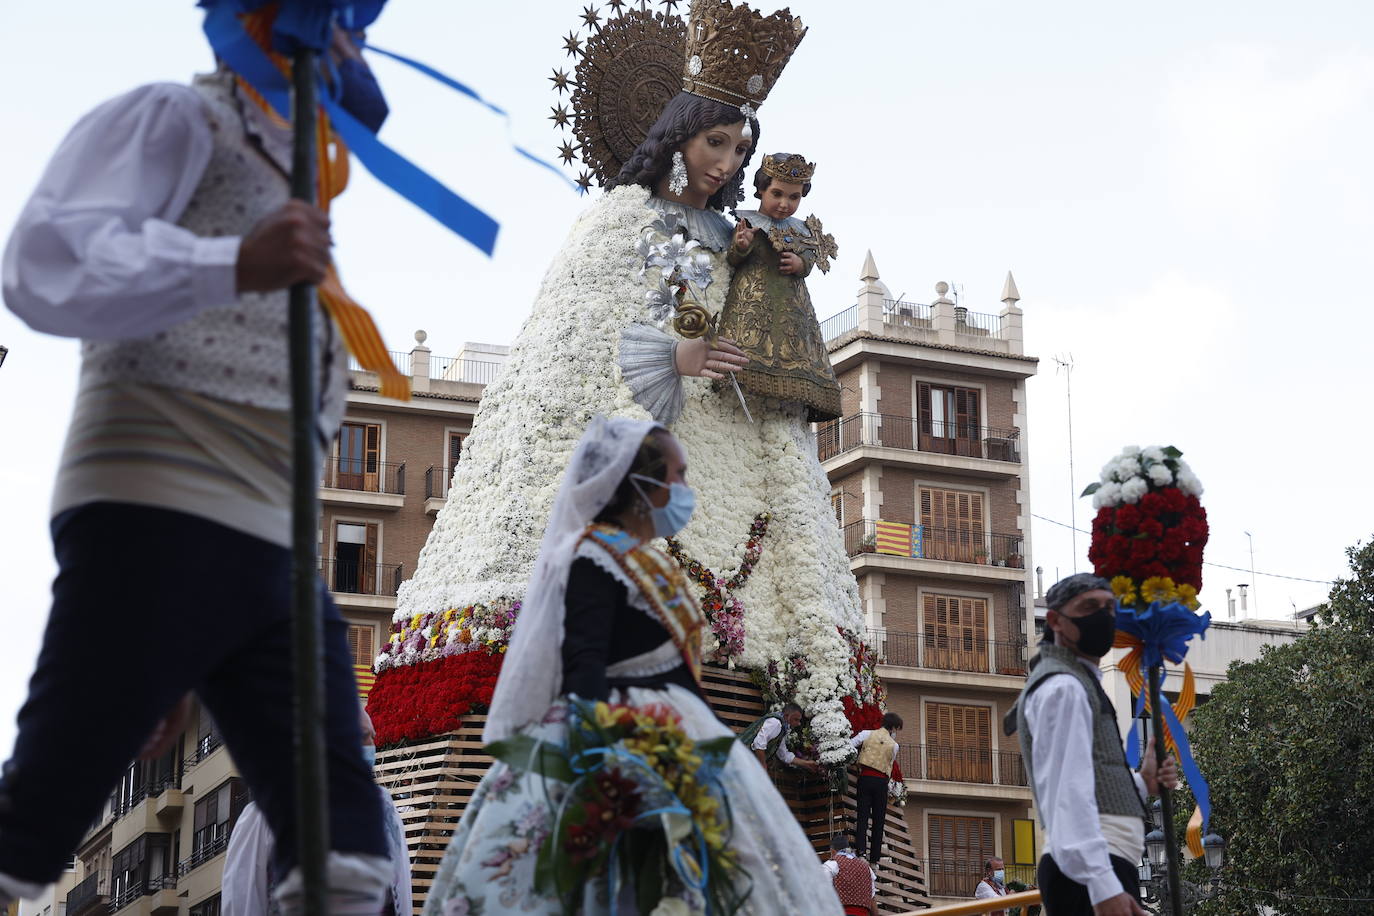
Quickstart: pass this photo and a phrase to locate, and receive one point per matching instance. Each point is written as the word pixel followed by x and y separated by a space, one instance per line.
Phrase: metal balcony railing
pixel 955 545
pixel 138 889
pixel 840 323
pixel 365 475
pixel 204 748
pixel 93 889
pixel 960 877
pixel 208 842
pixel 947 763
pixel 474 371
pixel 907 314
pixel 938 437
pixel 400 358
pixel 351 578
pixel 946 652
pixel 977 324
pixel 437 480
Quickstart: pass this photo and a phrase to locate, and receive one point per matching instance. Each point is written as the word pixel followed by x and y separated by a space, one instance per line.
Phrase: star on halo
pixel 568 152
pixel 559 116
pixel 616 5
pixel 590 16
pixel 584 181
pixel 572 44
pixel 668 6
pixel 560 80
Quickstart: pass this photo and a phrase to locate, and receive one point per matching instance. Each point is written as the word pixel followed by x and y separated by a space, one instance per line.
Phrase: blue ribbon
pixel 237 49
pixel 472 94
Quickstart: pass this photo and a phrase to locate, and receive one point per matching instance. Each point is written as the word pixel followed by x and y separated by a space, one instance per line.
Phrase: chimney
pixel 1230 605
pixel 1039 581
pixel 1244 605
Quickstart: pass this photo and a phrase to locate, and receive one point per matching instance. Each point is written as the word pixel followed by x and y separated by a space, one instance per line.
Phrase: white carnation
pixel 1109 494
pixel 1133 489
pixel 1127 468
pixel 1160 475
pixel 1152 454
pixel 1188 481
pixel 1130 451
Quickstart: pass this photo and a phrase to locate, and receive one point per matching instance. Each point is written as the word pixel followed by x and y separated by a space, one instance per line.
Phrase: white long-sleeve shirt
pixel 1077 836
pixel 96 252
pixel 769 730
pixel 832 868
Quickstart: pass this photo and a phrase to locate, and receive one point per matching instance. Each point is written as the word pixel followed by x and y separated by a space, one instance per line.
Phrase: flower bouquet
pixel 639 806
pixel 1150 528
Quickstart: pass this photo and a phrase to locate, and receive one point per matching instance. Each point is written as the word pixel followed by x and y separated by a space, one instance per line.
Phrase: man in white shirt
pixel 162 233
pixel 770 741
pixel 855 882
pixel 877 755
pixel 994 883
pixel 1092 805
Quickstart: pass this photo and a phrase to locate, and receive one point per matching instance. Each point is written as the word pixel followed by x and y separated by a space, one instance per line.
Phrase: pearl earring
pixel 677 178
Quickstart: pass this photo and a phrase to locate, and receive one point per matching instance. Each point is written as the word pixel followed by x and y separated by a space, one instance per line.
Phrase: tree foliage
pixel 1289 754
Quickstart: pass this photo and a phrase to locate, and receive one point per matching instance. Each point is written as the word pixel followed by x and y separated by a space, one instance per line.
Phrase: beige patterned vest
pixel 236 353
pixel 876 751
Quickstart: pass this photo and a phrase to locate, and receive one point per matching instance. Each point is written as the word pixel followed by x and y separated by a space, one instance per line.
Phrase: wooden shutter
pixel 923 432
pixel 455 450
pixel 837 504
pixel 957 847
pixel 959 742
pixel 956 632
pixel 368 562
pixel 954 524
pixel 967 432
pixel 361 642
pixel 372 455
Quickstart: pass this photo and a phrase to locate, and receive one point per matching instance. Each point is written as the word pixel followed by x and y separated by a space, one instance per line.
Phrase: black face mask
pixel 1096 631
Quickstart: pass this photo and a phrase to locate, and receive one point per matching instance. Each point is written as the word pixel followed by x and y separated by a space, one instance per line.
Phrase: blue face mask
pixel 671 518
pixel 360 95
pixel 1000 876
pixel 370 756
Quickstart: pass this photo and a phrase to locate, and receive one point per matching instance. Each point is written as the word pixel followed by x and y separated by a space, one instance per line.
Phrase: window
pixel 359 458
pixel 837 506
pixel 214 818
pixel 958 847
pixel 133 787
pixel 455 450
pixel 956 632
pixel 953 523
pixel 361 643
pixel 958 742
pixel 948 420
pixel 144 866
pixel 207 907
pixel 355 558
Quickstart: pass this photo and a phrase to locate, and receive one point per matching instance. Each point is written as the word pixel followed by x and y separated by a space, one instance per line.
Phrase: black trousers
pixel 872 792
pixel 1063 896
pixel 148 605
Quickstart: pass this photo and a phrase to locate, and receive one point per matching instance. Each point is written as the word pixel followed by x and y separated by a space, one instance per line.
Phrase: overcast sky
pixel 1182 190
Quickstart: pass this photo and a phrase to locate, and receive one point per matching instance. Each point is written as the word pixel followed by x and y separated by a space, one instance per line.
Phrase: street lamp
pixel 1156 848
pixel 1213 850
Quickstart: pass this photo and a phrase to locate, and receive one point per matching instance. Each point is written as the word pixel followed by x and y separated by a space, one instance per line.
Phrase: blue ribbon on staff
pixel 237 49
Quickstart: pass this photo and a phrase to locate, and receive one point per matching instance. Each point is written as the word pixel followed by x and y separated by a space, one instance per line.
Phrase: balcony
pixel 91 897
pixel 951 552
pixel 960 877
pixel 974 765
pixel 437 479
pixel 363 482
pixel 208 842
pixel 940 652
pixel 160 888
pixel 851 442
pixel 206 746
pixel 373 584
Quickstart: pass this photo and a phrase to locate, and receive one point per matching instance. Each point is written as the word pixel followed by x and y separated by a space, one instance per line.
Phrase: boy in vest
pixel 854 881
pixel 877 753
pixel 1091 803
pixel 162 234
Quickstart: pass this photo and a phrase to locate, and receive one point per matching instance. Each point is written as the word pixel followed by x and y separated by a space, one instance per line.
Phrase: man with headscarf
pixel 1091 803
pixel 162 233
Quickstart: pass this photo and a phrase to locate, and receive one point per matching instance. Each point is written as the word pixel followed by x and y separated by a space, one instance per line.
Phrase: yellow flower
pixel 1157 588
pixel 1188 595
pixel 1124 589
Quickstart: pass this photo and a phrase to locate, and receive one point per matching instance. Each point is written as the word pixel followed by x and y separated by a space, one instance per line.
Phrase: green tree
pixel 1288 752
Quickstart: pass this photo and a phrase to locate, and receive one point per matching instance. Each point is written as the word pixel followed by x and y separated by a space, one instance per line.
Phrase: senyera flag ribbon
pixel 1157 633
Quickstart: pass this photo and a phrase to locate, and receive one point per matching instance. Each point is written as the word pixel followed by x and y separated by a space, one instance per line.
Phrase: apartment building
pixel 930 487
pixel 158 847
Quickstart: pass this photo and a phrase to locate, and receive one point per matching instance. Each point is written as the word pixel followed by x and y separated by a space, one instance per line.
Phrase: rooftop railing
pixel 476 371
pixel 937 437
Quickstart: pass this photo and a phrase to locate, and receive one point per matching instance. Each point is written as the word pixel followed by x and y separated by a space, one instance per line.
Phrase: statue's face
pixel 714 156
pixel 780 199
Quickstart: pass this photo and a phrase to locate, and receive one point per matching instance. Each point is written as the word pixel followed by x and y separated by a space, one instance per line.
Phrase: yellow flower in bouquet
pixel 1157 588
pixel 1188 596
pixel 1124 589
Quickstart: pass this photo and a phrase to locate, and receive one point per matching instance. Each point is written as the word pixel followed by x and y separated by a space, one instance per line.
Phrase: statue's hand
pixel 744 235
pixel 705 359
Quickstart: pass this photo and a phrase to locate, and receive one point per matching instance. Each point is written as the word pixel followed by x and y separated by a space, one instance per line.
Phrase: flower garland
pixel 427 637
pixel 415 701
pixel 1150 528
pixel 724 611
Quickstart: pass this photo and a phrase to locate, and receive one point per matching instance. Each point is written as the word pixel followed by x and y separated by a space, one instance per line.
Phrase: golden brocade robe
pixel 769 314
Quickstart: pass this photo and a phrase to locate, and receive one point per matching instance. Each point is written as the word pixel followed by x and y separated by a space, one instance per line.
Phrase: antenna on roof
pixel 1064 363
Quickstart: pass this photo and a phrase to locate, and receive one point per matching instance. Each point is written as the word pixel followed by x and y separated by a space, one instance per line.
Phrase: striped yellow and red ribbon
pixel 1129 666
pixel 355 325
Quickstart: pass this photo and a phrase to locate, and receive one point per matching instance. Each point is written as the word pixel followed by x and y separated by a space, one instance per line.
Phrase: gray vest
pixel 237 352
pixel 1116 792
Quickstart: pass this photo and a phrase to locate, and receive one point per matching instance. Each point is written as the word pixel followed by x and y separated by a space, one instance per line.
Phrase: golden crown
pixel 735 55
pixel 788 167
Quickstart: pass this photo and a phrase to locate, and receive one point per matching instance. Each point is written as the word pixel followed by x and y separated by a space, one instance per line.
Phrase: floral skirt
pixel 489 866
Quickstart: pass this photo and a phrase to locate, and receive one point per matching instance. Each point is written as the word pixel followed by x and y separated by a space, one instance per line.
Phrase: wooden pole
pixel 1166 799
pixel 312 812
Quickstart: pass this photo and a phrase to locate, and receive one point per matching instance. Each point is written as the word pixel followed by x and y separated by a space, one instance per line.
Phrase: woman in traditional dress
pixel 590 347
pixel 609 617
